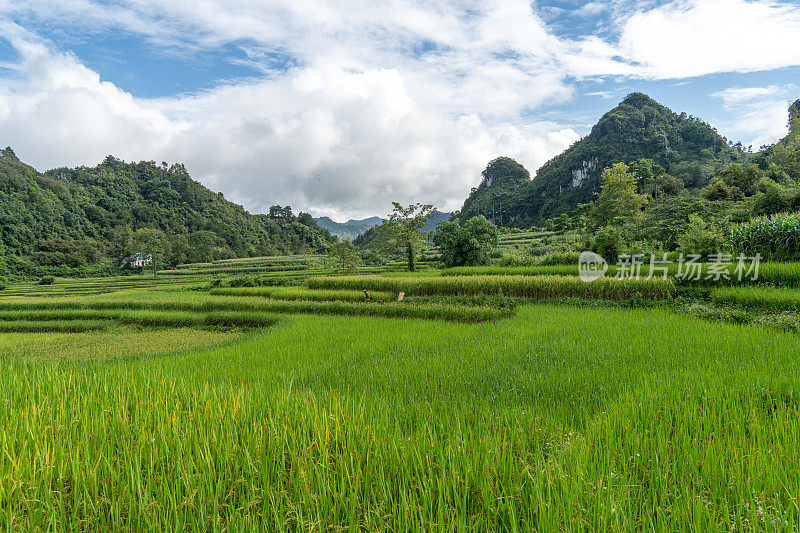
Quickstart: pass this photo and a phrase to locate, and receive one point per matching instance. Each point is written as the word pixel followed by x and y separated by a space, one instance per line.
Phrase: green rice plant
pixel 189 319
pixel 758 297
pixel 233 270
pixel 199 303
pixel 776 273
pixel 33 314
pixel 298 293
pixel 775 238
pixel 536 270
pixel 61 326
pixel 521 286
pixel 549 421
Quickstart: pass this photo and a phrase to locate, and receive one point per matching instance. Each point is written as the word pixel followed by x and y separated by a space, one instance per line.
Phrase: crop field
pixel 503 398
pixel 539 242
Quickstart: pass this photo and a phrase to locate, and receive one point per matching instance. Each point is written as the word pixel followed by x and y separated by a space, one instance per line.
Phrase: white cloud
pixel 736 95
pixel 760 113
pixel 593 9
pixel 327 138
pixel 689 38
pixel 58 106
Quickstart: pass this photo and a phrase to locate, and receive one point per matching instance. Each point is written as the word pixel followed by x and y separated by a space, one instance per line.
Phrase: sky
pixel 339 107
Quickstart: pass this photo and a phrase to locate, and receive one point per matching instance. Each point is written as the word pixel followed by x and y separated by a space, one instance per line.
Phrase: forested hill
pixel 350 229
pixel 638 128
pixel 97 208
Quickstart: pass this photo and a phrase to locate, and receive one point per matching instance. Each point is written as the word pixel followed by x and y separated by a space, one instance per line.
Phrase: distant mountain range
pixel 350 229
pixel 639 127
pixel 355 228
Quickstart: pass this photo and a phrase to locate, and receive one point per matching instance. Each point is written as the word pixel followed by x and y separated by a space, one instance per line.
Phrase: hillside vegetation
pixel 78 216
pixel 638 128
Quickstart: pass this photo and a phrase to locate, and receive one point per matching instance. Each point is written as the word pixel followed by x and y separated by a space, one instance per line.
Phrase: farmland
pixel 484 399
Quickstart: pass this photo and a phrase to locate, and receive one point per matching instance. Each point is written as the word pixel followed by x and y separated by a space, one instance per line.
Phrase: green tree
pixel 345 256
pixel 201 246
pixel 151 242
pixel 618 202
pixel 404 229
pixel 466 245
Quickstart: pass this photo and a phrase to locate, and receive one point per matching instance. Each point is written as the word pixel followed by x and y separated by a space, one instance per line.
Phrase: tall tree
pixel 405 229
pixel 466 245
pixel 618 201
pixel 345 256
pixel 152 242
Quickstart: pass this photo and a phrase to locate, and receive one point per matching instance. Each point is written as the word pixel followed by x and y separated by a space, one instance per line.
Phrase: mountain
pixel 350 229
pixel 96 208
pixel 638 128
pixel 366 238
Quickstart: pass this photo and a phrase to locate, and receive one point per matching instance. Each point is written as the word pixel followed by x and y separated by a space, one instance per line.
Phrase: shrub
pixel 608 242
pixel 565 258
pixel 243 281
pixel 3 283
pixel 701 238
pixel 466 245
pixel 47 280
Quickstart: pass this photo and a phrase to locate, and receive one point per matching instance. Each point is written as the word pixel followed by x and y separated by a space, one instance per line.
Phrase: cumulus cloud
pixel 761 113
pixel 60 111
pixel 689 38
pixel 335 140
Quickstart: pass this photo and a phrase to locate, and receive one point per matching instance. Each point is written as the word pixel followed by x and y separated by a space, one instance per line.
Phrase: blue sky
pixel 340 107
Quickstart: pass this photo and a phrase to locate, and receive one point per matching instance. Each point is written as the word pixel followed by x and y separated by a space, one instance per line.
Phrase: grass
pixel 551 420
pixel 522 286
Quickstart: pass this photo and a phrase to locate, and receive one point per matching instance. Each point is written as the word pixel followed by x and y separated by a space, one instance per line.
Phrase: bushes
pixel 564 258
pixel 775 238
pixel 701 238
pixel 3 283
pixel 466 245
pixel 522 286
pixel 47 280
pixel 608 242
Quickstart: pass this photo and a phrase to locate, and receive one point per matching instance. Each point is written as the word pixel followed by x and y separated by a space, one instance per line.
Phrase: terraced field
pixel 271 394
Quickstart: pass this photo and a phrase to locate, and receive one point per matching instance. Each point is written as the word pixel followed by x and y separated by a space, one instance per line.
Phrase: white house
pixel 138 260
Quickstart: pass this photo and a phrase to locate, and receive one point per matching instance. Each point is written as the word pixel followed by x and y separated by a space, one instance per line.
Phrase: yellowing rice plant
pixel 551 420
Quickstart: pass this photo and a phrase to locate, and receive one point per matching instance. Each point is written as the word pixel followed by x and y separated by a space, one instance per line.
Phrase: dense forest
pixel 86 215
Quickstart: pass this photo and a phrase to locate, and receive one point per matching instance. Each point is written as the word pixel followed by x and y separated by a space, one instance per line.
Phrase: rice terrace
pixel 515 293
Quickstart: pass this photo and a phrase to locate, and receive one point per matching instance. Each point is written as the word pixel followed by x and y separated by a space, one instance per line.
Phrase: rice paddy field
pixel 272 394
